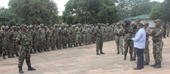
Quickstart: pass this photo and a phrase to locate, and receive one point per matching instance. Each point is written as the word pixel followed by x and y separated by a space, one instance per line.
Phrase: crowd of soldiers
pixel 45 38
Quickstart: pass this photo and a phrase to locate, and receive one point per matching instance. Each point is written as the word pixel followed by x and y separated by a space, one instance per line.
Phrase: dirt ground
pixel 83 60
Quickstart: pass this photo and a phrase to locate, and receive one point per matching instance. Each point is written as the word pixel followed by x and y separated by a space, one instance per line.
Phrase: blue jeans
pixel 140 61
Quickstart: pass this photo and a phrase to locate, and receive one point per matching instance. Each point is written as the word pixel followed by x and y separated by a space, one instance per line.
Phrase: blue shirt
pixel 140 39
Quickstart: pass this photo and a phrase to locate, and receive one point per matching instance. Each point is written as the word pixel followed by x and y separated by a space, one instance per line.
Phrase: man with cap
pixel 24 49
pixel 119 38
pixel 157 35
pixel 99 40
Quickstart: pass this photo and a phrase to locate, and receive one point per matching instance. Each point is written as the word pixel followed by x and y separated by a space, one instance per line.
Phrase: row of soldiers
pixel 46 38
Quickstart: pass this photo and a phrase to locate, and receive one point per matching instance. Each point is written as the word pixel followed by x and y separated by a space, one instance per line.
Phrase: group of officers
pixel 124 32
pixel 26 39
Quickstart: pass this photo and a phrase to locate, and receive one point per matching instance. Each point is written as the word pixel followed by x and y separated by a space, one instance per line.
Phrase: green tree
pixel 156 12
pixel 166 10
pixel 130 8
pixel 90 11
pixel 34 11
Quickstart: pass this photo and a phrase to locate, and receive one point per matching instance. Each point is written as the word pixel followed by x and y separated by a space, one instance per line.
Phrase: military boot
pixel 31 68
pixel 154 64
pixel 97 52
pixel 20 70
pixel 131 59
pixel 29 65
pixel 158 65
pixel 124 57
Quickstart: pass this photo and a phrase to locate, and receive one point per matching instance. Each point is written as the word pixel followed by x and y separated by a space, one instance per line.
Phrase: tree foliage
pixel 161 11
pixel 34 11
pixel 129 8
pixel 90 11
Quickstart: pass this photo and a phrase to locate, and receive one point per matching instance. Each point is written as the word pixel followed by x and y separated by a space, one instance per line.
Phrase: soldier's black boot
pixel 154 64
pixel 29 65
pixel 158 65
pixel 20 70
pixel 31 68
pixel 12 55
pixel 3 55
pixel 97 52
pixel 124 57
pixel 131 59
pixel 118 52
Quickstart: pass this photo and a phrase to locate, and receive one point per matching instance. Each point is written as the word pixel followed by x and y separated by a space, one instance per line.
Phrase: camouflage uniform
pixel 157 35
pixel 24 41
pixel 128 44
pixel 119 38
pixel 99 41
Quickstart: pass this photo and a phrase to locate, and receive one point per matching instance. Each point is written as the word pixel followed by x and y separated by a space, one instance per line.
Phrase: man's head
pixel 140 26
pixel 146 25
pixel 138 21
pixel 157 22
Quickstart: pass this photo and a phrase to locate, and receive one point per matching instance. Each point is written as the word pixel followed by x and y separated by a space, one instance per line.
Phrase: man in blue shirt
pixel 139 45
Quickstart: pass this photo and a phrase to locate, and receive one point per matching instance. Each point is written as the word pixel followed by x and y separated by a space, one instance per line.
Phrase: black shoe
pixel 133 59
pixel 31 69
pixel 146 63
pixel 102 53
pixel 20 70
pixel 137 68
pixel 97 54
pixel 158 66
pixel 153 65
pixel 124 58
pixel 118 53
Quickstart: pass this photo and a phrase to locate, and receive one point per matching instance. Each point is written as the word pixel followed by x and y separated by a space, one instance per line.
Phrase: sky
pixel 60 4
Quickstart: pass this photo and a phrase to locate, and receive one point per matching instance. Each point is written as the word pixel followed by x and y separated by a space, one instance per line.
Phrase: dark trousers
pixel 140 61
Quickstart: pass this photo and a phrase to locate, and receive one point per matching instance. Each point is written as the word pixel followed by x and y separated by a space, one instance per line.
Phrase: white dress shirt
pixel 140 39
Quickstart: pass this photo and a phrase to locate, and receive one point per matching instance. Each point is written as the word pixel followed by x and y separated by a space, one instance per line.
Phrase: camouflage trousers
pixel 24 53
pixel 99 45
pixel 146 53
pixel 128 45
pixel 157 51
pixel 119 43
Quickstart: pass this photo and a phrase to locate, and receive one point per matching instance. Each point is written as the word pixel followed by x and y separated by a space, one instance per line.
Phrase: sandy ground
pixel 83 60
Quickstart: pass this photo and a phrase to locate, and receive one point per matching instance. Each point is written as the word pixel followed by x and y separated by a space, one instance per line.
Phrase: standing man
pixel 23 39
pixel 146 51
pixel 99 40
pixel 157 35
pixel 119 38
pixel 139 45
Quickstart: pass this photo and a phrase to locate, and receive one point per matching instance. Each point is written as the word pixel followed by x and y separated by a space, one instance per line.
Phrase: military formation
pixel 45 38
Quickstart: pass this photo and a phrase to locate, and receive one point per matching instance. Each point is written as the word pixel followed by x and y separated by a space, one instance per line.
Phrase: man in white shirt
pixel 139 45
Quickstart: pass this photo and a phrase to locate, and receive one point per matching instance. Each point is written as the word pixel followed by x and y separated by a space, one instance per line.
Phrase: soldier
pixel 128 43
pixel 119 38
pixel 78 35
pixel 99 40
pixel 24 49
pixel 157 35
pixel 146 50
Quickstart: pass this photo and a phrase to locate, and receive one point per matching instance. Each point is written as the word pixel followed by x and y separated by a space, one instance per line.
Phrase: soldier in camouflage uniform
pixel 119 38
pixel 99 40
pixel 146 51
pixel 157 35
pixel 24 41
pixel 78 35
pixel 128 43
